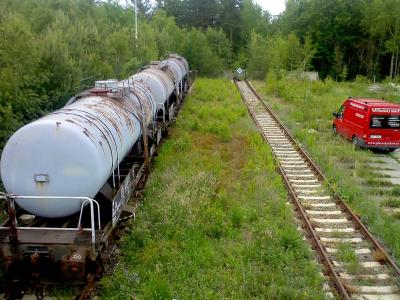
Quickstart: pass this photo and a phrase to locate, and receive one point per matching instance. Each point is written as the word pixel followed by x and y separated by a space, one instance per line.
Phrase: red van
pixel 369 123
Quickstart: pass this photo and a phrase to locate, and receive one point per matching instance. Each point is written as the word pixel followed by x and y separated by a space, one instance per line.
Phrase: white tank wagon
pixel 158 81
pixel 73 151
pixel 180 69
pixel 75 170
pixel 167 80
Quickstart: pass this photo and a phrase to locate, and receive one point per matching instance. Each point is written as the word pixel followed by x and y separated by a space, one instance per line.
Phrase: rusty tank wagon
pixel 69 175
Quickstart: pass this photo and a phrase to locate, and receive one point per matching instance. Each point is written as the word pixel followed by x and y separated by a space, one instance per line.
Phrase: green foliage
pixel 391 203
pixel 236 18
pixel 347 254
pixel 278 53
pixel 305 105
pixel 350 37
pixel 50 50
pixel 197 50
pixel 219 44
pixel 211 225
pixel 383 24
pixel 340 38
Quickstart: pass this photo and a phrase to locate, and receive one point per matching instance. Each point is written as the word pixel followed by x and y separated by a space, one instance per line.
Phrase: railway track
pixel 355 265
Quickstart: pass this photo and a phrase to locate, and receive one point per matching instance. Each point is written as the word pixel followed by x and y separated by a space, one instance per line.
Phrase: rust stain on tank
pixel 101 145
pixel 89 135
pixel 70 121
pixel 40 186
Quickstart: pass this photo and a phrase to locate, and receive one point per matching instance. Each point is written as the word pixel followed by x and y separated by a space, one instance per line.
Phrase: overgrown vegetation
pixel 50 50
pixel 347 254
pixel 341 38
pixel 306 108
pixel 214 222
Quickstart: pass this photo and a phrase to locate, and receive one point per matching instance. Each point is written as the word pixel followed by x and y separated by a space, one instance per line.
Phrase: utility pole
pixel 136 29
pixel 135 16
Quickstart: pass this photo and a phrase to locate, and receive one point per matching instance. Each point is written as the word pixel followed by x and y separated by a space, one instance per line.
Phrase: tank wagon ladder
pixel 140 114
pixel 328 222
pixel 18 235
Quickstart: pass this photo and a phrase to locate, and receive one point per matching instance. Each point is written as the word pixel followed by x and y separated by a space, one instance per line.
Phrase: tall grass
pixel 214 223
pixel 305 105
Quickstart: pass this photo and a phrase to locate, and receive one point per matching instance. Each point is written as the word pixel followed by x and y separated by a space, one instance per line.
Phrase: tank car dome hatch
pixel 73 151
pixel 109 84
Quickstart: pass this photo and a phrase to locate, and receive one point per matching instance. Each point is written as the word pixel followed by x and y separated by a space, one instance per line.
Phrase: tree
pixel 382 20
pixel 145 8
pixel 191 13
pixel 330 24
pixel 219 44
pixel 200 55
pixel 254 19
pixel 169 36
pixel 230 20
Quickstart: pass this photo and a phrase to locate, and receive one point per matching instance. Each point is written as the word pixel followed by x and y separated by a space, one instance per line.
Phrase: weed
pixel 214 223
pixel 379 256
pixel 391 203
pixel 307 205
pixel 378 182
pixel 343 166
pixel 347 255
pixel 338 234
pixel 395 191
pixel 395 215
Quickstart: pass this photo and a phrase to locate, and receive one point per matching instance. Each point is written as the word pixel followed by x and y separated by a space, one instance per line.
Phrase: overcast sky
pixel 275 7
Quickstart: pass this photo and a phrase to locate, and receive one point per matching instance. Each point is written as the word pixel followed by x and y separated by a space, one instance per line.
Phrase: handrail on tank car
pixel 91 216
pixel 11 204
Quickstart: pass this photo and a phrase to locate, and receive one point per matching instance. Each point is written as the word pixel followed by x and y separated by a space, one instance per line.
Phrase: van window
pixel 385 121
pixel 341 111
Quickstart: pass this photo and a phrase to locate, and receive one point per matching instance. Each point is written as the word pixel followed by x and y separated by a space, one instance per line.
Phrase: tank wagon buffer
pixel 69 175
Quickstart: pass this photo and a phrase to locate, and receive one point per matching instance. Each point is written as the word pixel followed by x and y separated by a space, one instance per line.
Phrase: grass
pixel 395 191
pixel 304 105
pixel 214 223
pixel 348 256
pixel 391 203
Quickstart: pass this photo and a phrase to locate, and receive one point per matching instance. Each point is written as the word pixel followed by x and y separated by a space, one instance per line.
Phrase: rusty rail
pixel 313 237
pixel 356 220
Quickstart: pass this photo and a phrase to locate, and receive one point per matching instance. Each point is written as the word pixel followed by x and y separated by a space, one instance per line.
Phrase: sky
pixel 275 7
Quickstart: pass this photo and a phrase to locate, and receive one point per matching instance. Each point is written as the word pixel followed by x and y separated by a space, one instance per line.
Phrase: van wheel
pixel 356 144
pixel 334 130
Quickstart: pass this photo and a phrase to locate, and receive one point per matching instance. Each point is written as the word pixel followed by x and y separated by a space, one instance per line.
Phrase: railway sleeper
pixel 332 225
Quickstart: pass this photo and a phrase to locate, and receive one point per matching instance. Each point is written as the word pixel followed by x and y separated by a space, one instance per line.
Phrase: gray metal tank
pixel 157 81
pixel 182 61
pixel 177 69
pixel 73 151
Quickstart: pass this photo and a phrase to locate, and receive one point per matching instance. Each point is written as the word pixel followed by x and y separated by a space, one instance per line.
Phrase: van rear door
pixel 384 129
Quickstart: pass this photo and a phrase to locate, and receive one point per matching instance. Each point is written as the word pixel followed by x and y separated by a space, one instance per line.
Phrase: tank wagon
pixel 69 175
